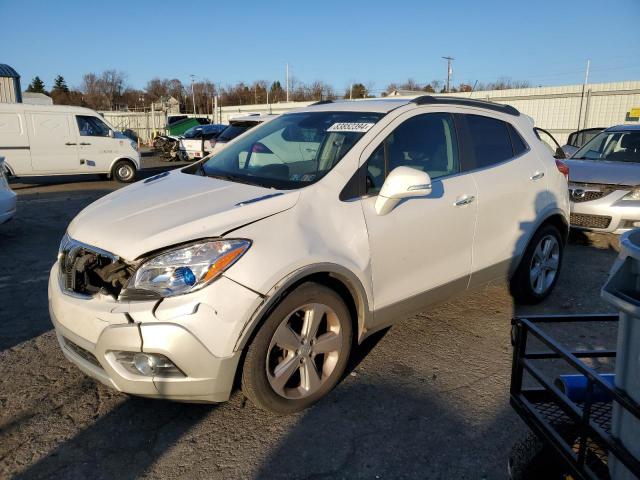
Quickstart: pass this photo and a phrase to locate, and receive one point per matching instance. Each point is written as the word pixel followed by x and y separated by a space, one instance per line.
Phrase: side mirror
pixel 112 134
pixel 402 182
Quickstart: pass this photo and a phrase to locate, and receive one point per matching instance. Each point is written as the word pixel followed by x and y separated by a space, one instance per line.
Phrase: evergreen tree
pixel 60 85
pixel 36 86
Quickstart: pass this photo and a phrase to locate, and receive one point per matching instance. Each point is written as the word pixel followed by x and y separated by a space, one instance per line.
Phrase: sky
pixel 338 42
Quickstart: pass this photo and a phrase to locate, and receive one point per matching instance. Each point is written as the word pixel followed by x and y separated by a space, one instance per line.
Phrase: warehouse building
pixel 10 91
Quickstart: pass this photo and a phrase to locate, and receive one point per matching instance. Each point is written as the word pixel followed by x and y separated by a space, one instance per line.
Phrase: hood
pixel 599 171
pixel 171 208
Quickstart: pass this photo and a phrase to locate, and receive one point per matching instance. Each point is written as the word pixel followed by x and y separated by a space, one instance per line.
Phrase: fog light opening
pixel 148 364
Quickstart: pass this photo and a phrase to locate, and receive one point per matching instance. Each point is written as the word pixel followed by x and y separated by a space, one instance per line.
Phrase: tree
pixel 276 93
pixel 36 86
pixel 356 90
pixel 60 85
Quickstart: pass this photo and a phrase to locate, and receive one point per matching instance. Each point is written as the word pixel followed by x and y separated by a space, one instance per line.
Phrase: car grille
pixel 589 221
pixel 586 196
pixel 86 270
pixel 586 192
pixel 81 352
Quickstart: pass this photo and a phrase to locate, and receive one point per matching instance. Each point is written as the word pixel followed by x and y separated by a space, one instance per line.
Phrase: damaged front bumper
pixel 196 332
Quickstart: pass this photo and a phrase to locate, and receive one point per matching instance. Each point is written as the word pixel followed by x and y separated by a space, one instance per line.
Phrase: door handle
pixel 84 143
pixel 69 143
pixel 537 176
pixel 464 200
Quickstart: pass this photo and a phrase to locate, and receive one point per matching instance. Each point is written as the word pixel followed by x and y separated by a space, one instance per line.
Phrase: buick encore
pixel 265 263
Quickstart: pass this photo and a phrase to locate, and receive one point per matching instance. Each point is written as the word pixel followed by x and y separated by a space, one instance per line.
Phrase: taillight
pixel 563 168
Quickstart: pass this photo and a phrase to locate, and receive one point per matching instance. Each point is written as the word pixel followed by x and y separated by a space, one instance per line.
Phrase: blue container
pixel 575 387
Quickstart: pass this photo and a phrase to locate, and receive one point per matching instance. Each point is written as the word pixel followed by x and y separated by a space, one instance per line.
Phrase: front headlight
pixel 632 195
pixel 189 268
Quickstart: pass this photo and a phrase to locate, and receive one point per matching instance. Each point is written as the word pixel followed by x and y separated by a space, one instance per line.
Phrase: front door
pixel 421 250
pixel 54 146
pixel 96 147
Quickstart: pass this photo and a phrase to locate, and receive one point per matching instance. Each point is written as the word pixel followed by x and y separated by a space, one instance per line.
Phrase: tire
pixel 531 459
pixel 123 171
pixel 305 374
pixel 538 272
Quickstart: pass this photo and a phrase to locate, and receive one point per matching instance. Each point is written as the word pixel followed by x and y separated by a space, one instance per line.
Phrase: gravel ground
pixel 426 399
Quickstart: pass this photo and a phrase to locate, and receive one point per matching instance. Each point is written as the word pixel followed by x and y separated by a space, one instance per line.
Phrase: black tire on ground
pixel 255 384
pixel 123 171
pixel 531 459
pixel 521 285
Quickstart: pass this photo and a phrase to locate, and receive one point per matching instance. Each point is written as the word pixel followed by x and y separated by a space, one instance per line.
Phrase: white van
pixel 62 140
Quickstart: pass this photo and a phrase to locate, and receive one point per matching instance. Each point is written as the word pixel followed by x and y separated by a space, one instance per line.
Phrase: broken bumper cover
pixel 91 331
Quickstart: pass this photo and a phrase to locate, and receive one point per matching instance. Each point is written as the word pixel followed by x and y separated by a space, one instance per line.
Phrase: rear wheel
pixel 124 171
pixel 300 352
pixel 539 267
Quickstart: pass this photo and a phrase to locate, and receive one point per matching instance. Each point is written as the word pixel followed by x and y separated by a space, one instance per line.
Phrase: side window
pixel 490 140
pixel 91 126
pixel 519 145
pixel 425 142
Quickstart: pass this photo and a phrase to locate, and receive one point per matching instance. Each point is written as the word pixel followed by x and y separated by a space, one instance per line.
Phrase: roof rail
pixel 468 102
pixel 321 102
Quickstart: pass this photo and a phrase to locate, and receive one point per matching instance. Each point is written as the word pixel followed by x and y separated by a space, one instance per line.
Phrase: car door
pixel 512 190
pixel 97 149
pixel 420 250
pixel 54 146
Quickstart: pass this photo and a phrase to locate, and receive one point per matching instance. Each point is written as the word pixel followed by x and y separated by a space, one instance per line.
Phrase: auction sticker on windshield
pixel 350 127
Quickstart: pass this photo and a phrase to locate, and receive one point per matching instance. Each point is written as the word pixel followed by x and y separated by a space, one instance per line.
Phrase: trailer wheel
pixel 531 459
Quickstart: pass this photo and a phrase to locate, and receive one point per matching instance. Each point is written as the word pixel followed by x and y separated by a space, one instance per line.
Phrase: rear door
pixel 511 191
pixel 54 145
pixel 97 149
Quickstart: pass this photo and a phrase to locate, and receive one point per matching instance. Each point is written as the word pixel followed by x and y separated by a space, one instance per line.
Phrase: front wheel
pixel 124 171
pixel 539 267
pixel 300 352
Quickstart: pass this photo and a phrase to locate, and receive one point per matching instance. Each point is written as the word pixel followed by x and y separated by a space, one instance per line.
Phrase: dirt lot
pixel 429 399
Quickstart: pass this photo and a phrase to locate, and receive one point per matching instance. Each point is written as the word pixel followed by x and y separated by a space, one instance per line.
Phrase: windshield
pixel 291 151
pixel 612 147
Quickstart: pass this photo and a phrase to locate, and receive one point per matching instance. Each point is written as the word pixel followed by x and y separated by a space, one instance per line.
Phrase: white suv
pixel 269 260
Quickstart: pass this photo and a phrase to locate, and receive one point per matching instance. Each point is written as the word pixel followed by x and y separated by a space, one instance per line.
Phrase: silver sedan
pixel 604 181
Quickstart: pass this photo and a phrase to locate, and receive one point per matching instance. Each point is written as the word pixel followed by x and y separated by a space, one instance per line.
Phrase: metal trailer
pixel 573 439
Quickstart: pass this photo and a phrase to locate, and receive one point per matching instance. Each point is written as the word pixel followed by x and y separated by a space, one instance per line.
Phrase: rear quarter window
pixel 490 140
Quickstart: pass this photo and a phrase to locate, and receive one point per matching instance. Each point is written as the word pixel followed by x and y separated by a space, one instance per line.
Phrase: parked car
pixel 237 127
pixel 197 142
pixel 578 139
pixel 575 140
pixel 605 181
pixel 7 196
pixel 61 140
pixel 272 257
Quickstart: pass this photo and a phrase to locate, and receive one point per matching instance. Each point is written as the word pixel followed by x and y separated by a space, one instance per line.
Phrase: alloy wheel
pixel 304 351
pixel 544 264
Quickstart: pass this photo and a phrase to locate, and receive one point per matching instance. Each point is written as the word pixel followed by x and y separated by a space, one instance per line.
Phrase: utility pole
pixel 449 72
pixel 193 95
pixel 287 82
pixel 584 86
pixel 351 92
